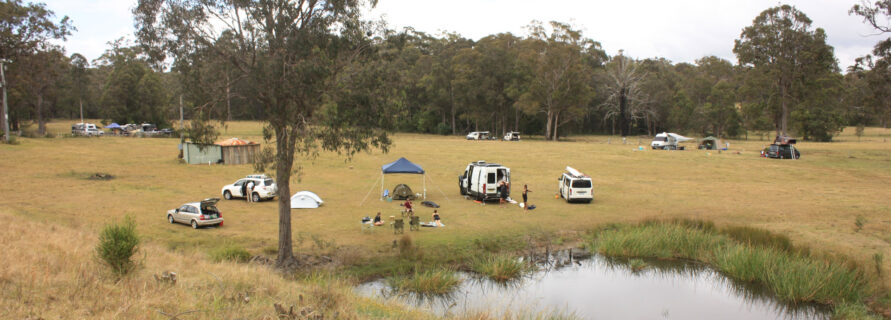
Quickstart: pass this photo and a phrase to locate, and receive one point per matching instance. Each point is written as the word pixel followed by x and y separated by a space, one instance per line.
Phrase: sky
pixel 679 30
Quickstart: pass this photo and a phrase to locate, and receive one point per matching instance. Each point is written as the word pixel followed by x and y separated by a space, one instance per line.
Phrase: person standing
pixel 436 220
pixel 526 198
pixel 250 191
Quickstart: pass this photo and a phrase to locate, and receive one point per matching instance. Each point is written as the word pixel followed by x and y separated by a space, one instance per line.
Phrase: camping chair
pixel 415 223
pixel 398 226
pixel 367 227
pixel 386 194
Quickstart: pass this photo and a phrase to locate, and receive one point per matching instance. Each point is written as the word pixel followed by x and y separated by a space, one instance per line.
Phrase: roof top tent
pixel 305 200
pixel 403 166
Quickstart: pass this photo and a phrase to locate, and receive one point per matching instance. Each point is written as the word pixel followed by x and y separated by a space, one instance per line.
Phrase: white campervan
pixel 478 135
pixel 576 186
pixel 485 181
pixel 668 141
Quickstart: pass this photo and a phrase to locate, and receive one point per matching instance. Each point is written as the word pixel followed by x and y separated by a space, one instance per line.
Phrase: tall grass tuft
pixel 232 253
pixel 758 237
pixel 117 245
pixel 501 268
pixel 743 254
pixel 426 283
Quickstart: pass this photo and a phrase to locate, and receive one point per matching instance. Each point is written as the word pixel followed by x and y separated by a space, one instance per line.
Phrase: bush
pixel 117 245
pixel 230 253
pixel 501 268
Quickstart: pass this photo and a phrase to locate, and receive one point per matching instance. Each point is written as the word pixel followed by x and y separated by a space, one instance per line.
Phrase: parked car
pixel 85 129
pixel 264 188
pixel 483 181
pixel 197 214
pixel 511 136
pixel 576 186
pixel 781 151
pixel 478 135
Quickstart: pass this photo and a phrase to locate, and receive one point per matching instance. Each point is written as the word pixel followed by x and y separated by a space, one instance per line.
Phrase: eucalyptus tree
pixel 303 59
pixel 875 69
pixel 559 64
pixel 781 45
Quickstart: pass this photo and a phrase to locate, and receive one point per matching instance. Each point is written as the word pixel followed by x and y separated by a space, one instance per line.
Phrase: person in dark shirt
pixel 377 220
pixel 436 220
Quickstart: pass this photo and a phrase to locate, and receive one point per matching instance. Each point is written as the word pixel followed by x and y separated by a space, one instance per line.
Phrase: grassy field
pixel 814 201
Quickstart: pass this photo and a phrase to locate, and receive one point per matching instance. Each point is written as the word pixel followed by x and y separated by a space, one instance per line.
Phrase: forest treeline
pixel 553 81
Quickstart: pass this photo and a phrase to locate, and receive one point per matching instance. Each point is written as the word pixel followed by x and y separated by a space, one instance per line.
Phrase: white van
pixel 511 136
pixel 576 186
pixel 85 129
pixel 485 181
pixel 478 135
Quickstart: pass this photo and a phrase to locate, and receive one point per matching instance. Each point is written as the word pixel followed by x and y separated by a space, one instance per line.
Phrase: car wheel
pixel 194 224
pixel 256 197
pixel 227 195
pixel 170 218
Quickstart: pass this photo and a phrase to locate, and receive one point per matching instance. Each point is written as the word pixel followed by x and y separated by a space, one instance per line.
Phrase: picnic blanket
pixel 429 224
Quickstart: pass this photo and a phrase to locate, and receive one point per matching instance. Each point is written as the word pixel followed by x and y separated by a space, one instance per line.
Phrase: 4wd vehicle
pixel 264 188
pixel 485 181
pixel 197 214
pixel 781 151
pixel 511 136
pixel 478 135
pixel 576 186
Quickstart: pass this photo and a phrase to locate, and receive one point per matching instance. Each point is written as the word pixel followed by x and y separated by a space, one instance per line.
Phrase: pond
pixel 599 287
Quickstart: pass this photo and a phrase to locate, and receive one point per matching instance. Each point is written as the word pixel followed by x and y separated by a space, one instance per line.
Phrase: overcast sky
pixel 679 30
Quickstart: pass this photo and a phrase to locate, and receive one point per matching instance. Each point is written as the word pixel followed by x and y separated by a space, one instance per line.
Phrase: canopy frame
pixel 404 161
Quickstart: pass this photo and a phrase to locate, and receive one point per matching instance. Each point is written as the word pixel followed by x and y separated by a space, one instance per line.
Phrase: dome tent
pixel 402 192
pixel 305 200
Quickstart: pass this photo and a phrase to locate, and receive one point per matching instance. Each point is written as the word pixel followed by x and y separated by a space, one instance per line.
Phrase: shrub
pixel 230 253
pixel 117 245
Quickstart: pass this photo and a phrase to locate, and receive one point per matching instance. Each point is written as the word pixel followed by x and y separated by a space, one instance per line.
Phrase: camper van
pixel 668 141
pixel 576 186
pixel 478 135
pixel 485 181
pixel 511 136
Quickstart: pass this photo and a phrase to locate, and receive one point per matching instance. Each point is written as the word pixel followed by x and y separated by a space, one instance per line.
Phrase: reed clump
pixel 501 268
pixel 745 254
pixel 430 282
pixel 231 253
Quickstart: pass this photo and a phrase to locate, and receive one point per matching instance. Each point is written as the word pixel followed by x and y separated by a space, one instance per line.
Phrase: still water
pixel 603 288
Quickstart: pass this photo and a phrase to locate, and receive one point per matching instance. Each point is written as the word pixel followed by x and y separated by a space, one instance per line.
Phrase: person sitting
pixel 436 221
pixel 377 220
pixel 408 208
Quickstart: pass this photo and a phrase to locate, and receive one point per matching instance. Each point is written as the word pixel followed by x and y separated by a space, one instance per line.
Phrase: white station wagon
pixel 197 214
pixel 264 188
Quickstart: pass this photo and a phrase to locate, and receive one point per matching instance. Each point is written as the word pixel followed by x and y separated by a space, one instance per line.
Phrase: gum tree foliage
pixel 560 68
pixel 304 61
pixel 25 34
pixel 133 92
pixel 874 71
pixel 626 97
pixel 780 46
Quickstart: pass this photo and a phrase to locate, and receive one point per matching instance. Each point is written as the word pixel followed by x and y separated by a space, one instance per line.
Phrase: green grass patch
pixel 430 282
pixel 501 268
pixel 232 253
pixel 744 254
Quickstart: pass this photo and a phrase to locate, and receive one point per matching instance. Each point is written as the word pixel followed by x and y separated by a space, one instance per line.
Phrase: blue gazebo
pixel 403 166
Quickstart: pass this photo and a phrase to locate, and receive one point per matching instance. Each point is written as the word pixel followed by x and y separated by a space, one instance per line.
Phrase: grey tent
pixel 402 192
pixel 305 200
pixel 405 167
pixel 709 143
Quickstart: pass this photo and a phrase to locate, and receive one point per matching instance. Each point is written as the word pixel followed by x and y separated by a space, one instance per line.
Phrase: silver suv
pixel 197 214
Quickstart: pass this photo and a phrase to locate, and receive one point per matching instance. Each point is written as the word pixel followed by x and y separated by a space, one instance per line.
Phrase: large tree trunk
pixel 784 117
pixel 549 124
pixel 41 123
pixel 228 100
pixel 284 162
pixel 623 112
pixel 452 104
pixel 556 136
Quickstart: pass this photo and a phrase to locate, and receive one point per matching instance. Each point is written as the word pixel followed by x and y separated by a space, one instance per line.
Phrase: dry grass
pixel 813 201
pixel 50 272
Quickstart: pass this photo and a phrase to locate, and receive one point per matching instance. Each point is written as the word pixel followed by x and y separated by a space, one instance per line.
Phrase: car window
pixel 268 182
pixel 491 177
pixel 184 209
pixel 239 183
pixel 581 183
